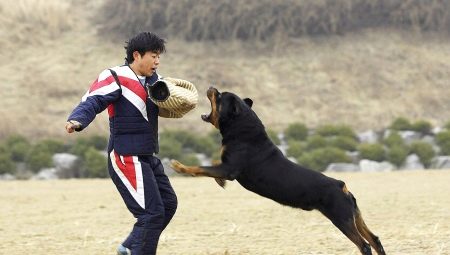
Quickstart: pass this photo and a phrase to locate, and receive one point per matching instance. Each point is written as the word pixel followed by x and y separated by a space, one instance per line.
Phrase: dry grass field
pixel 408 210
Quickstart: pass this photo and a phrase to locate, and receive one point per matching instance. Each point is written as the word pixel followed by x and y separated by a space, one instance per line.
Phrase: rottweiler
pixel 249 156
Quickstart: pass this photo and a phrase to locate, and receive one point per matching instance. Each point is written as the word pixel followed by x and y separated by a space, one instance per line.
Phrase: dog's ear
pixel 236 107
pixel 249 102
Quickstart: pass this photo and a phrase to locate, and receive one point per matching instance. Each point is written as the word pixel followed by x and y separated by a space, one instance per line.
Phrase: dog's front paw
pixel 177 166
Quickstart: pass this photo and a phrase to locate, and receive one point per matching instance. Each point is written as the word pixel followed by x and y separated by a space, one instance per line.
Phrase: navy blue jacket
pixel 133 117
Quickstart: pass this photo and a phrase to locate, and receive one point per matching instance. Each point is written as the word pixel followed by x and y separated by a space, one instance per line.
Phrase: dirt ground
pixel 409 211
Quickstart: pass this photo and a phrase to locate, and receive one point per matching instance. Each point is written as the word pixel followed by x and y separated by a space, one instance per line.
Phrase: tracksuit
pixel 138 175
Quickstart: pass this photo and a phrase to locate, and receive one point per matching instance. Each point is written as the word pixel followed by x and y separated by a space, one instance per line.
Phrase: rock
pixel 368 136
pixel 203 159
pixel 22 172
pixel 292 159
pixel 67 165
pixel 283 143
pixel 436 130
pixel 431 141
pixel 7 177
pixel 412 162
pixel 409 136
pixel 373 166
pixel 342 167
pixel 167 169
pixel 353 155
pixel 441 162
pixel 46 174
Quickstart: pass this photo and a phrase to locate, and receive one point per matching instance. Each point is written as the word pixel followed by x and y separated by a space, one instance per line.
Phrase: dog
pixel 249 156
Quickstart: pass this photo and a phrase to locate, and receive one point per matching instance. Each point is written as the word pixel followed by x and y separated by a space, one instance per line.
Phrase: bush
pixel 19 151
pixel 373 152
pixel 424 151
pixel 336 130
pixel 18 147
pixel 189 159
pixel 7 166
pixel 12 139
pixel 273 136
pixel 215 136
pixel 98 142
pixel 443 140
pixel 51 145
pixel 422 126
pixel 344 143
pixel 319 159
pixel 190 141
pixel 394 139
pixel 170 148
pixel 443 137
pixel 80 147
pixel 447 125
pixel 401 124
pixel 39 157
pixel 397 155
pixel 5 150
pixel 95 163
pixel 296 131
pixel 295 149
pixel 204 145
pixel 315 142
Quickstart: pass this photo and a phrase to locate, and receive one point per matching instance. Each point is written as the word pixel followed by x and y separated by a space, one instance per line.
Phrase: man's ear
pixel 249 102
pixel 136 55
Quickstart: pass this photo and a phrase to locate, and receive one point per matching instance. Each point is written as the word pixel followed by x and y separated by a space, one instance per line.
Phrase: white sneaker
pixel 122 250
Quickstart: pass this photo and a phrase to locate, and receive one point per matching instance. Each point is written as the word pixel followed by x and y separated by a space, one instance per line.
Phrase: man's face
pixel 146 64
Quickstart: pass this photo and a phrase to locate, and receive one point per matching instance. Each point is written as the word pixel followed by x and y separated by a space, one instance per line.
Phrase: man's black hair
pixel 144 42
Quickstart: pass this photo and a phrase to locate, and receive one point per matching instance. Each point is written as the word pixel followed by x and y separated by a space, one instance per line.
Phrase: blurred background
pixel 347 78
pixel 359 89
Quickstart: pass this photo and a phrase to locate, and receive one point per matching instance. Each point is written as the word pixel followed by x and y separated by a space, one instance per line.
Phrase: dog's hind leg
pixel 340 210
pixel 221 171
pixel 367 234
pixel 348 227
pixel 373 240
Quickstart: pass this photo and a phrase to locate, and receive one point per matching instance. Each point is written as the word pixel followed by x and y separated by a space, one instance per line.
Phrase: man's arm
pixel 102 92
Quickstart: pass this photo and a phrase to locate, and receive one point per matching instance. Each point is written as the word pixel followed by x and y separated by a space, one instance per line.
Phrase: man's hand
pixel 72 125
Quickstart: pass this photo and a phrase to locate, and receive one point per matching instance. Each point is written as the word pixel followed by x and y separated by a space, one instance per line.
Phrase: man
pixel 138 175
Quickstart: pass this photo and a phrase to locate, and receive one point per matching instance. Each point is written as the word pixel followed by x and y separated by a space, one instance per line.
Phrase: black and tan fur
pixel 249 157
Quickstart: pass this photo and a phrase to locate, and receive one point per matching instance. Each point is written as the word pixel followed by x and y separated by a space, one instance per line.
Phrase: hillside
pixel 52 51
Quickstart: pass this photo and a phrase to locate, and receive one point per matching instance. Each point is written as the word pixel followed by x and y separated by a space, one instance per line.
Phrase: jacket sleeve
pixel 103 91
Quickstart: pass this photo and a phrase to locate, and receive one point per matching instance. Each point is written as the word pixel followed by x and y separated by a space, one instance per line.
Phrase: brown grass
pixel 408 210
pixel 365 79
pixel 269 20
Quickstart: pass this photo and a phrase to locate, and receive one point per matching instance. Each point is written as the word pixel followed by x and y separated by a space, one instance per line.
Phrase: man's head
pixel 143 52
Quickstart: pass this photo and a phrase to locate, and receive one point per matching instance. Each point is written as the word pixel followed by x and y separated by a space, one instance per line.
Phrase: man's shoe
pixel 122 250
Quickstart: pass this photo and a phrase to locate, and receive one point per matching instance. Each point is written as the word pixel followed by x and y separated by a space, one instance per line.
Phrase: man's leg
pixel 136 183
pixel 166 191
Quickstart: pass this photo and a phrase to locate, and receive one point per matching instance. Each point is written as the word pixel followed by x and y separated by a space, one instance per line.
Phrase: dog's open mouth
pixel 212 95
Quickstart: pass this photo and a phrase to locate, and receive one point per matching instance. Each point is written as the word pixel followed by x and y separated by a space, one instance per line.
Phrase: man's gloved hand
pixel 158 91
pixel 72 125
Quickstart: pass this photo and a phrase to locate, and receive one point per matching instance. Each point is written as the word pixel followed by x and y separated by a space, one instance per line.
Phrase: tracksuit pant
pixel 148 195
